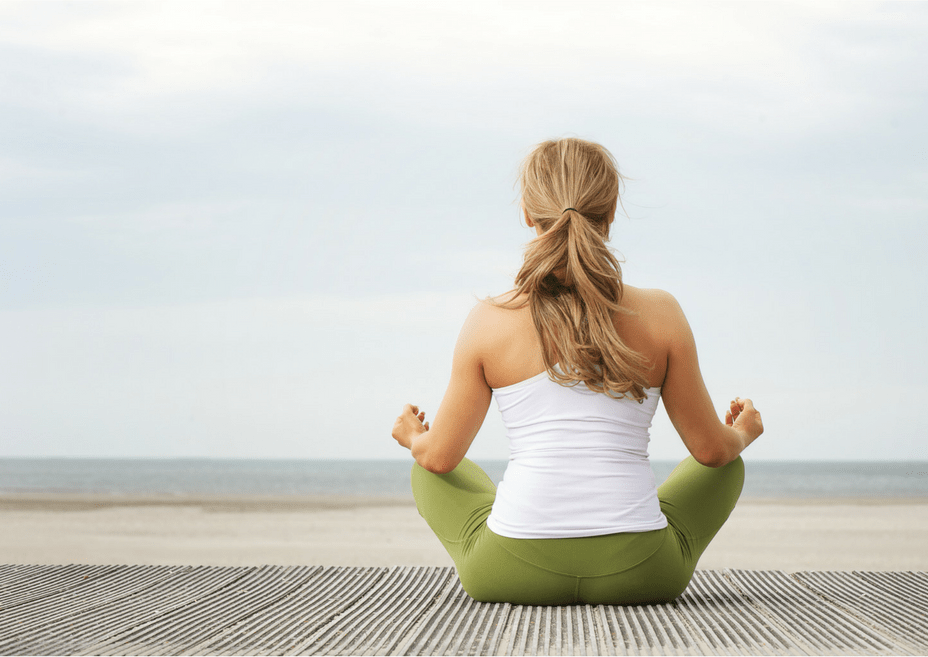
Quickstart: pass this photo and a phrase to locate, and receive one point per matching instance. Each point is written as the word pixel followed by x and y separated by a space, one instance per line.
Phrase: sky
pixel 253 230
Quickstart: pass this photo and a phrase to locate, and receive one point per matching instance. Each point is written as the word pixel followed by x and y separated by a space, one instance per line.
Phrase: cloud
pixel 249 214
pixel 445 64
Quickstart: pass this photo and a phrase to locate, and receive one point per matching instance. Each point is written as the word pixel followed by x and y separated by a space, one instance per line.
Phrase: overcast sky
pixel 249 229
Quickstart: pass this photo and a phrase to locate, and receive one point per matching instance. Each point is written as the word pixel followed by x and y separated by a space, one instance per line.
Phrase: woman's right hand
pixel 744 418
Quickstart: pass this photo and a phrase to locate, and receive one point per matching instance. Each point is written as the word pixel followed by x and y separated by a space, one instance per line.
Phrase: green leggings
pixel 630 568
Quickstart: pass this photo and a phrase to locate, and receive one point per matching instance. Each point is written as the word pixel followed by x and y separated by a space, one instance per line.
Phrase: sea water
pixel 769 479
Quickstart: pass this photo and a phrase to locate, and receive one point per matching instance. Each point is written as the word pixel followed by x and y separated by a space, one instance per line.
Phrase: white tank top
pixel 578 463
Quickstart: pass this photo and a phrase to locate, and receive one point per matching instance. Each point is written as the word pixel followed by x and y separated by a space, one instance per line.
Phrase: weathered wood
pixel 278 610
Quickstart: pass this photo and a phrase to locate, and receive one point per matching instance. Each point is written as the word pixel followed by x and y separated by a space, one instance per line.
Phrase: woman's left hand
pixel 408 425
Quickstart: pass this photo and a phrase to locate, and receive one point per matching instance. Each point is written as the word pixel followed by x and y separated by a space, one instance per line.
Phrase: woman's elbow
pixel 434 461
pixel 717 449
pixel 437 465
pixel 711 456
pixel 714 461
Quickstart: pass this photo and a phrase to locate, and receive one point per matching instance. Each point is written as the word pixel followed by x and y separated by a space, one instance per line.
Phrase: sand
pixel 788 535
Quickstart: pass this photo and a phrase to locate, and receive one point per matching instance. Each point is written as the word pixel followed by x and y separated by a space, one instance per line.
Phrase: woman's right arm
pixel 708 439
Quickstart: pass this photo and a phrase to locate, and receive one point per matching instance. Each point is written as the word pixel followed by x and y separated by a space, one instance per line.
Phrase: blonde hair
pixel 573 282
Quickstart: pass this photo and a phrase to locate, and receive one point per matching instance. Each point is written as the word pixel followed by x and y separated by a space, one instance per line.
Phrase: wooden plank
pixel 399 598
pixel 137 622
pixel 87 627
pixel 423 610
pixel 44 581
pixel 878 603
pixel 813 620
pixel 208 613
pixel 290 621
pixel 51 615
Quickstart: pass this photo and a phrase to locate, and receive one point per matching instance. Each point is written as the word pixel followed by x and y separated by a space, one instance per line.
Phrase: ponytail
pixel 572 281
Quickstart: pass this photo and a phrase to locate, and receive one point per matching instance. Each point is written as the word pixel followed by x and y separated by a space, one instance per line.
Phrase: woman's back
pixel 511 347
pixel 578 462
pixel 578 459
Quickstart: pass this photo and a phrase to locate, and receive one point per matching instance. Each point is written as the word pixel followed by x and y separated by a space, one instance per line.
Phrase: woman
pixel 577 362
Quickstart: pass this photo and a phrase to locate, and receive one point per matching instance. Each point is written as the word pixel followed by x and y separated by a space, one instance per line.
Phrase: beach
pixel 762 534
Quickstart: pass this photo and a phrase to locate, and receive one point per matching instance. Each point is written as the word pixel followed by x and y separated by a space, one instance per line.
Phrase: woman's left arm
pixel 441 447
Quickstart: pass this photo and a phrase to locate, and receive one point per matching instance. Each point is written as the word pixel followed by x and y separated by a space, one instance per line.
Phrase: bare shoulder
pixel 651 302
pixel 501 308
pixel 487 320
pixel 657 312
pixel 510 298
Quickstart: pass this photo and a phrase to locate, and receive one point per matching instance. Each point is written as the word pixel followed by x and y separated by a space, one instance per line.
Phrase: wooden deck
pixel 277 610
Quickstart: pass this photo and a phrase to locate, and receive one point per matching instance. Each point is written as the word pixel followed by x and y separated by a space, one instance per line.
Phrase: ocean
pixel 764 479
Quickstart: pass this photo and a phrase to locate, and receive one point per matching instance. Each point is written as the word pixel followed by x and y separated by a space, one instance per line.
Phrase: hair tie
pixel 574 209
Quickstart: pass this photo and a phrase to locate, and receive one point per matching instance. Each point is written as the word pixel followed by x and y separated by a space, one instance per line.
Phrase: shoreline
pixel 65 501
pixel 245 503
